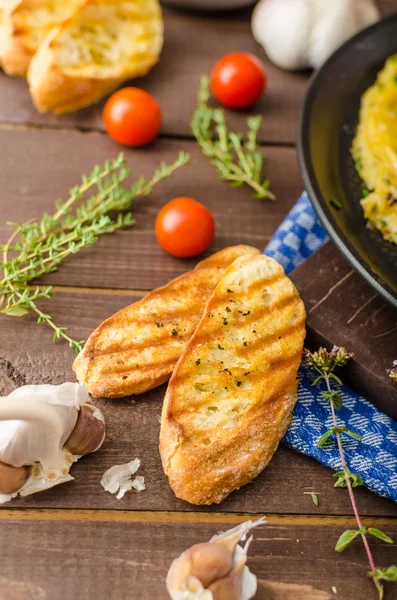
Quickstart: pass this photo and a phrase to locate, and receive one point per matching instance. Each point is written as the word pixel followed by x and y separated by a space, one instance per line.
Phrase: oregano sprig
pixel 100 204
pixel 325 362
pixel 237 161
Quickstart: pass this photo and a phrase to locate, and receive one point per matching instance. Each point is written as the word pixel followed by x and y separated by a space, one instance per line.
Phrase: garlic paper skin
pixel 118 479
pixel 35 423
pixel 300 34
pixel 215 570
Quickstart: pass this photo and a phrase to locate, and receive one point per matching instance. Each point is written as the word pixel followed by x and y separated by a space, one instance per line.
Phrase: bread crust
pixel 136 349
pixel 231 395
pixel 60 87
pixel 25 25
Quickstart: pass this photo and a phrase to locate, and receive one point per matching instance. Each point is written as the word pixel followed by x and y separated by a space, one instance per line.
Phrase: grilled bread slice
pixel 6 7
pixel 137 349
pixel 231 395
pixel 102 45
pixel 26 25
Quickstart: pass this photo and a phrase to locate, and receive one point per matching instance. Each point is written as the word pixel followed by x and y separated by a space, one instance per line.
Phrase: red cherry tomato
pixel 184 227
pixel 132 117
pixel 238 80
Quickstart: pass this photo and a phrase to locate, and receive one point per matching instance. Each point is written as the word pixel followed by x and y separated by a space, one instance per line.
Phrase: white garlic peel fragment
pixel 117 479
pixel 35 422
pixel 201 562
pixel 300 34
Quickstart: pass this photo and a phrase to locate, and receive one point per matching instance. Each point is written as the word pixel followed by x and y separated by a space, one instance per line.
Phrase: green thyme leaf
pixel 341 478
pixel 345 539
pixel 388 574
pixel 335 203
pixel 236 161
pixel 97 206
pixel 379 534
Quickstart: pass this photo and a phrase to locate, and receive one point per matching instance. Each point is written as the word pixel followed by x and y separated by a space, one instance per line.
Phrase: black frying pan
pixel 327 126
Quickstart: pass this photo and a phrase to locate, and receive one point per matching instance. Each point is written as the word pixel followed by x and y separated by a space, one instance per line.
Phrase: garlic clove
pixel 89 432
pixel 205 561
pixel 229 587
pixel 12 478
pixel 35 422
pixel 216 569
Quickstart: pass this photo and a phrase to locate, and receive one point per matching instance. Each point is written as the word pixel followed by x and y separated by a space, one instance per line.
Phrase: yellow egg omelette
pixel 374 150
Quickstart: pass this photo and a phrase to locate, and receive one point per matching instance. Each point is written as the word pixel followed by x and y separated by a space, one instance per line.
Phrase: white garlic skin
pixel 302 34
pixel 35 423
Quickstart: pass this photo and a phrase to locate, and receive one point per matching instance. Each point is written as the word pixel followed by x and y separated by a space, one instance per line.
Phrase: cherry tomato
pixel 238 80
pixel 184 227
pixel 132 117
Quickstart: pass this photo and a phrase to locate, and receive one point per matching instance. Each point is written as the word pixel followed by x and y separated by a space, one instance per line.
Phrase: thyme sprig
pixel 237 161
pixel 100 204
pixel 325 362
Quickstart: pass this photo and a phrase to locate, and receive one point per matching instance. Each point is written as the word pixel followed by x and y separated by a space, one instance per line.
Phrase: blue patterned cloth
pixel 374 458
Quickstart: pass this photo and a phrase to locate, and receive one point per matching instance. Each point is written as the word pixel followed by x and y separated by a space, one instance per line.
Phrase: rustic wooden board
pixel 27 355
pixel 344 310
pixel 40 166
pixel 116 560
pixel 192 45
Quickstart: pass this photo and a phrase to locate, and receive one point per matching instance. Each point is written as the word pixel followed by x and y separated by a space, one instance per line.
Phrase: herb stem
pixel 350 490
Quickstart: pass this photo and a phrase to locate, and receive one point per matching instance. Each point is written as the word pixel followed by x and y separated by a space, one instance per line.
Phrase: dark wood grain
pixel 27 355
pixel 116 560
pixel 192 45
pixel 344 310
pixel 40 166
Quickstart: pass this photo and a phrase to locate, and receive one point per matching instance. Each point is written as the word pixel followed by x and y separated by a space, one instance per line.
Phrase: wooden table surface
pixel 77 541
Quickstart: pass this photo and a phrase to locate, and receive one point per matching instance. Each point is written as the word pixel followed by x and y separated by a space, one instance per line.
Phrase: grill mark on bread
pixel 222 420
pixel 96 367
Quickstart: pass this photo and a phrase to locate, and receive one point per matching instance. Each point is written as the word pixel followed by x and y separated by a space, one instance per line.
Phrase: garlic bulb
pixel 299 34
pixel 215 570
pixel 35 423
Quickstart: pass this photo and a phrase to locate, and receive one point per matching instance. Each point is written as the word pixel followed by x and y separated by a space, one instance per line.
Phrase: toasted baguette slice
pixel 231 395
pixel 26 26
pixel 137 349
pixel 102 45
pixel 6 7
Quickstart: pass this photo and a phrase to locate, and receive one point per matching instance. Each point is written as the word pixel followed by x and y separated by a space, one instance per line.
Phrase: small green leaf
pixel 15 311
pixel 336 378
pixel 314 498
pixel 355 479
pixel 346 538
pixel 352 434
pixel 335 203
pixel 388 574
pixel 319 378
pixel 325 437
pixel 379 534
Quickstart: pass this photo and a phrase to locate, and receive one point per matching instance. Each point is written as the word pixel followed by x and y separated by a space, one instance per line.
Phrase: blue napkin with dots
pixel 374 457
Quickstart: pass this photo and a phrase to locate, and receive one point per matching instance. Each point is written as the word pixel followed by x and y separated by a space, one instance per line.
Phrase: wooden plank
pixel 40 166
pixel 27 355
pixel 110 560
pixel 344 310
pixel 192 45
pixel 130 516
